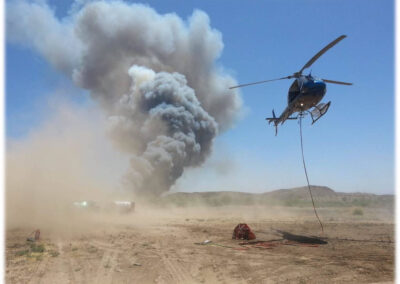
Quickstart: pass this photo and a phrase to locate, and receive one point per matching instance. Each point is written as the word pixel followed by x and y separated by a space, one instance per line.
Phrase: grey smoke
pixel 154 75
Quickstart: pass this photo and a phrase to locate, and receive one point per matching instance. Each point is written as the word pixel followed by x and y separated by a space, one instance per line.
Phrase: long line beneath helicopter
pixel 305 171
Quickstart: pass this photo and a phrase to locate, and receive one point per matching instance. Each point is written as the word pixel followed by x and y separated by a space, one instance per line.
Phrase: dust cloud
pixel 63 160
pixel 154 76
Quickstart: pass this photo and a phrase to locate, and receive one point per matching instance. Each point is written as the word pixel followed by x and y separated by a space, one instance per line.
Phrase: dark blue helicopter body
pixel 305 92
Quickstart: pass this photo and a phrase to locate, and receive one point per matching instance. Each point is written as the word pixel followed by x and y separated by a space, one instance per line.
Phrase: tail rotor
pixel 275 120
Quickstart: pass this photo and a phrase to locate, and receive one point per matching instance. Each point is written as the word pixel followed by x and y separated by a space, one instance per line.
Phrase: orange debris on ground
pixel 243 232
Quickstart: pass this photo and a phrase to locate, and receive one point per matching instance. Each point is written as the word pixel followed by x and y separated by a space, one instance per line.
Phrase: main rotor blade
pixel 337 82
pixel 260 82
pixel 322 51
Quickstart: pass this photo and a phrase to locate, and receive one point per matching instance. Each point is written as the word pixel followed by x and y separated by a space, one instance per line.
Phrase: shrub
pixel 37 248
pixel 54 253
pixel 22 252
pixel 358 212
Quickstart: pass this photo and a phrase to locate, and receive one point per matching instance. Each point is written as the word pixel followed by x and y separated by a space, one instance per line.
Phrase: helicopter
pixel 305 93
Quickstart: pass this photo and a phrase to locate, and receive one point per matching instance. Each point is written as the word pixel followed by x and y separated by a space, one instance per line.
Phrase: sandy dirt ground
pixel 158 246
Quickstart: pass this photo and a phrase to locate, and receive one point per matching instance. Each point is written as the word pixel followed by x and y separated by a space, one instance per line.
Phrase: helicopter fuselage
pixel 305 92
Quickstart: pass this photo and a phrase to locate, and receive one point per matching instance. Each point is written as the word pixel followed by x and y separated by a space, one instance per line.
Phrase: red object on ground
pixel 243 232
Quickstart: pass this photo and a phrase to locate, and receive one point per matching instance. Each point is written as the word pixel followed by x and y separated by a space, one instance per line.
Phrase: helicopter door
pixel 294 90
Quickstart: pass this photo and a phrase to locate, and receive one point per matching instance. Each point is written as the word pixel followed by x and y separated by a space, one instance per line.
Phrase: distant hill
pixel 319 192
pixel 296 197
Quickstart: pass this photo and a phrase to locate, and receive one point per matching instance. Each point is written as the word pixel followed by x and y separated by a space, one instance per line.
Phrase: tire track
pixel 174 269
pixel 108 263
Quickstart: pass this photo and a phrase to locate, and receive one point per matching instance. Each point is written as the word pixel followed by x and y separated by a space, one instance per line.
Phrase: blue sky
pixel 350 149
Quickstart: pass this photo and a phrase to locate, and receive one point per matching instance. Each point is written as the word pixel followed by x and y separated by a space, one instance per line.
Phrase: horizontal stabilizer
pixel 272 119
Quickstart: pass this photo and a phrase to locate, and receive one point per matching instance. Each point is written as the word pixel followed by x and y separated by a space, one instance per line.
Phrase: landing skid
pixel 316 113
pixel 319 111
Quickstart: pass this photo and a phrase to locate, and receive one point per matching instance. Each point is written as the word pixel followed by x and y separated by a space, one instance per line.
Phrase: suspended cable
pixel 305 170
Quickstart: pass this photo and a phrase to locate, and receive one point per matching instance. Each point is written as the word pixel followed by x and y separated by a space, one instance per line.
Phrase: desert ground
pixel 159 246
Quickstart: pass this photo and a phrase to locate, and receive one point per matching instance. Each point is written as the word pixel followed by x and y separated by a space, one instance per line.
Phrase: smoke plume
pixel 154 75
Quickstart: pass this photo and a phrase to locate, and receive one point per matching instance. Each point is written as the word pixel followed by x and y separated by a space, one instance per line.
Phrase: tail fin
pixel 275 120
pixel 272 119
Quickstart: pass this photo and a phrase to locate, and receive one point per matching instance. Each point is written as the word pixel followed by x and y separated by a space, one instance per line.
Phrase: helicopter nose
pixel 319 84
